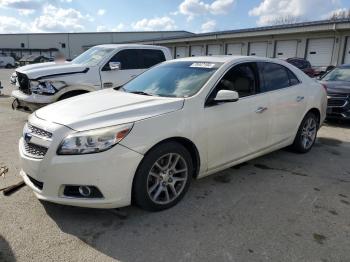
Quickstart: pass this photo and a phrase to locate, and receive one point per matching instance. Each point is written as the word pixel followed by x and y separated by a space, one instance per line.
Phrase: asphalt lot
pixel 280 207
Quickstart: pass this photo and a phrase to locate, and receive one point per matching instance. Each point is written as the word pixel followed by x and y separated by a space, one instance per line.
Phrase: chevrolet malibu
pixel 143 143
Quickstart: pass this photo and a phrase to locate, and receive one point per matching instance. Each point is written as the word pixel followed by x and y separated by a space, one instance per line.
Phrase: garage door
pixel 234 49
pixel 181 51
pixel 197 50
pixel 214 50
pixel 171 50
pixel 347 52
pixel 286 49
pixel 258 49
pixel 319 51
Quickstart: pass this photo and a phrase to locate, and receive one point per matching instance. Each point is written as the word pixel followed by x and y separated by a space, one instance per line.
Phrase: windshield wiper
pixel 140 93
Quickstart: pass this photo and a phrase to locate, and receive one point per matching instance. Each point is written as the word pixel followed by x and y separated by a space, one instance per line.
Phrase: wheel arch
pixel 317 112
pixel 187 143
pixel 72 93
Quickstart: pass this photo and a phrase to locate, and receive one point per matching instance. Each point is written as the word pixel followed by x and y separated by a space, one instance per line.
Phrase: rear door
pixel 288 100
pixel 133 62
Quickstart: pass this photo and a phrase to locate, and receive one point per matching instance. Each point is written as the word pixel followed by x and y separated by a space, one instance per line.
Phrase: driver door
pixel 238 129
pixel 131 66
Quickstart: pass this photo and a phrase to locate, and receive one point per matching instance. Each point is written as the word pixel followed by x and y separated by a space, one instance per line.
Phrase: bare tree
pixel 340 15
pixel 285 20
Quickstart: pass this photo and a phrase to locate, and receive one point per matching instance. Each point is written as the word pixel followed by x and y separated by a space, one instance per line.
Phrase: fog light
pixel 85 191
pixel 82 191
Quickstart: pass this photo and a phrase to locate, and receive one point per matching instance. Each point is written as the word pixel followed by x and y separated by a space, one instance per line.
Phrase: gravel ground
pixel 280 207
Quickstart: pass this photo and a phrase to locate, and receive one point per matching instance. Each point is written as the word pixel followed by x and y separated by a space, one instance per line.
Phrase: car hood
pixel 337 86
pixel 50 69
pixel 107 108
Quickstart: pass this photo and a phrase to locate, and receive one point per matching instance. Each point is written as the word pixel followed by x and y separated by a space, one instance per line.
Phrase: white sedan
pixel 187 118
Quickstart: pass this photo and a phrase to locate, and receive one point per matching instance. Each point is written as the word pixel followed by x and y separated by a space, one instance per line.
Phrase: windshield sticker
pixel 203 65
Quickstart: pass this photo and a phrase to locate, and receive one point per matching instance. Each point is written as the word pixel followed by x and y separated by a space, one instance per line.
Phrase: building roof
pixel 322 25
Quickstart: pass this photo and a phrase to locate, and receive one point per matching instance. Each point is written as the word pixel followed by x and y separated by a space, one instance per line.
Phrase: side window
pixel 128 58
pixel 274 77
pixel 293 80
pixel 241 78
pixel 151 57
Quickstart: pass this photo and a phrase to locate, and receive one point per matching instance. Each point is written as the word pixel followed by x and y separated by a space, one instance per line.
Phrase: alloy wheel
pixel 167 178
pixel 308 133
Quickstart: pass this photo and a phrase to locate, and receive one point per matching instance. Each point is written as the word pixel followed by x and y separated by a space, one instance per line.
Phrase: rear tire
pixel 307 134
pixel 163 177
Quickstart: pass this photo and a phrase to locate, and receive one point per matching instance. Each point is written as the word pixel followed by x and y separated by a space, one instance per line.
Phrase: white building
pixel 71 44
pixel 323 43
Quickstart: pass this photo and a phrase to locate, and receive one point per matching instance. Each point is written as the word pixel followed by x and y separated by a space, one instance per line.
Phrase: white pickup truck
pixel 103 66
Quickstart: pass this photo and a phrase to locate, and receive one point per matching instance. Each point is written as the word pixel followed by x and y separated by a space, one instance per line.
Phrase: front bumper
pixel 112 172
pixel 31 102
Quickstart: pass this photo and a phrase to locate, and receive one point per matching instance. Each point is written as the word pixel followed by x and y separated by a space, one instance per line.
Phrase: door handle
pixel 133 76
pixel 260 109
pixel 300 98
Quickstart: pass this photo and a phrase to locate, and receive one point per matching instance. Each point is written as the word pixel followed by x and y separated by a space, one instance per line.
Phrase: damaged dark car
pixel 337 83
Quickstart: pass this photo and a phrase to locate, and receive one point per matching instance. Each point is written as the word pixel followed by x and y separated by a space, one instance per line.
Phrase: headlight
pixel 47 87
pixel 13 78
pixel 93 141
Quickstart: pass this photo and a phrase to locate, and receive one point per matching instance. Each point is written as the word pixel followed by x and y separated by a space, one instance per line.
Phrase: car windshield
pixel 338 74
pixel 175 79
pixel 93 56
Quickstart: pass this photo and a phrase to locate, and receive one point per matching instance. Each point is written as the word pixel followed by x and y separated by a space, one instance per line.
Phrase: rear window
pixel 276 76
pixel 151 57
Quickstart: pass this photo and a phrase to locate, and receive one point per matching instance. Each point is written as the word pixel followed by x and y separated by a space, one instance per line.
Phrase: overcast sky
pixel 138 15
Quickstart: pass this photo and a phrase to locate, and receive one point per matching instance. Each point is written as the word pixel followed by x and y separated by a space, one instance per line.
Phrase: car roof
pixel 131 45
pixel 224 59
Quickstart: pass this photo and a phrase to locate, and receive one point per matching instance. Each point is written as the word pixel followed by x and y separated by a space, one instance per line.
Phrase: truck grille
pixel 39 131
pixel 23 82
pixel 35 151
pixel 337 100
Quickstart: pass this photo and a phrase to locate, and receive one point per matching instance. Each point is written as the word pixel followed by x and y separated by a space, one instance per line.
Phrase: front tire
pixel 307 134
pixel 163 177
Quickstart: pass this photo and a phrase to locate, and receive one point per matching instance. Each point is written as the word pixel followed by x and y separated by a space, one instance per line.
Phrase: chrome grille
pixel 337 100
pixel 39 131
pixel 35 151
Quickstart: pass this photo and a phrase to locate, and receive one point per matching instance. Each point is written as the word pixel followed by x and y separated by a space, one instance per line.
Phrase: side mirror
pixel 226 96
pixel 115 65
